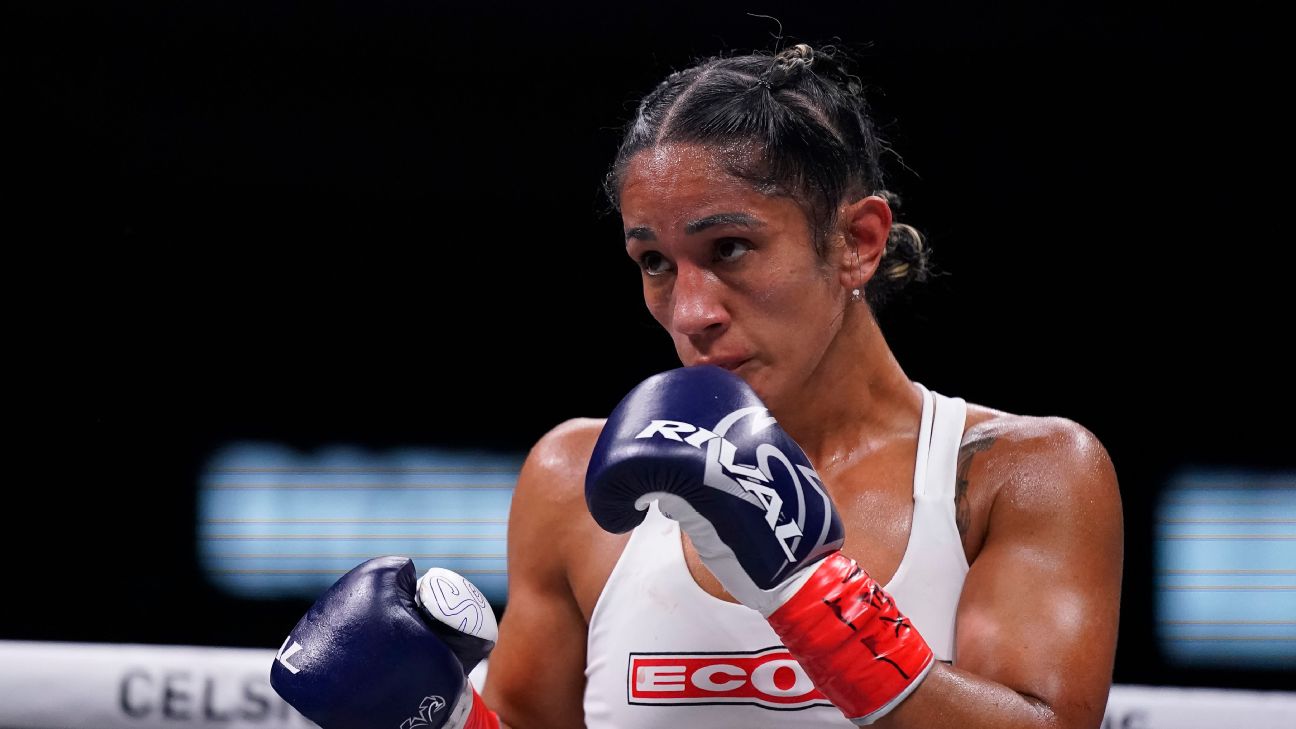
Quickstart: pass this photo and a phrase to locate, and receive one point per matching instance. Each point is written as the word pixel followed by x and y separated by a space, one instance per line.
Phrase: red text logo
pixel 770 678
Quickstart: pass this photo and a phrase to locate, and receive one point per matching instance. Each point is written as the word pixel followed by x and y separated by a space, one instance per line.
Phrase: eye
pixel 728 250
pixel 654 263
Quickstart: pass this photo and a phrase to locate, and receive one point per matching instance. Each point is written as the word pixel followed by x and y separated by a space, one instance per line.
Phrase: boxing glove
pixel 384 648
pixel 700 442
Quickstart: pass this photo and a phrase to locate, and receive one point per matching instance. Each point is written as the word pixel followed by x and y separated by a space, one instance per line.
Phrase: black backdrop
pixel 380 223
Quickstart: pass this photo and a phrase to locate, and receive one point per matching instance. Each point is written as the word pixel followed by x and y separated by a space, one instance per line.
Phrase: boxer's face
pixel 728 271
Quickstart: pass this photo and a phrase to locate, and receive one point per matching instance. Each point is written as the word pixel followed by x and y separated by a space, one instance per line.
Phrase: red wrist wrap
pixel 847 634
pixel 481 717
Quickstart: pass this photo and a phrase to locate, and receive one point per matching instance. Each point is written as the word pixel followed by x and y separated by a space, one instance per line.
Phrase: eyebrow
pixel 742 220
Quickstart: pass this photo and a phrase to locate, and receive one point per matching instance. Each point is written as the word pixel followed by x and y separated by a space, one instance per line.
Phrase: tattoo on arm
pixel 962 513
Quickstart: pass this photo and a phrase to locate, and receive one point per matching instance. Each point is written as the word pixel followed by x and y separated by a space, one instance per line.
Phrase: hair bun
pixel 800 51
pixel 789 64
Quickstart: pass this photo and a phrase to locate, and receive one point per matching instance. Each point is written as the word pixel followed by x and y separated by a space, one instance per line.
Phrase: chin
pixel 754 379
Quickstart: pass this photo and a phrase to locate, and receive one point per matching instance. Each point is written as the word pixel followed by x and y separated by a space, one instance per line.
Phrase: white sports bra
pixel 662 652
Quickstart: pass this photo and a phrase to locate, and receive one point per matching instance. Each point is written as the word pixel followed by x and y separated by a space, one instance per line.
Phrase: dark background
pixel 380 223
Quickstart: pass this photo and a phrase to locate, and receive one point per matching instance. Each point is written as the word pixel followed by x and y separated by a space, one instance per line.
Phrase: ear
pixel 865 223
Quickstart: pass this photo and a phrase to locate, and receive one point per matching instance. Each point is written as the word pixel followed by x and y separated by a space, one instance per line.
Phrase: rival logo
pixel 429 706
pixel 748 483
pixel 769 678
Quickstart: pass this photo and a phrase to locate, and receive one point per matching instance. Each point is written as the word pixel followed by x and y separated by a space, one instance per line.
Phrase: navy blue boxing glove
pixel 700 442
pixel 382 648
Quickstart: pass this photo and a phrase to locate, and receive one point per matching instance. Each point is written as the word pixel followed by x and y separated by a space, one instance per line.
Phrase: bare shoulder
pixel 550 527
pixel 1030 465
pixel 554 471
pixel 1053 444
pixel 551 486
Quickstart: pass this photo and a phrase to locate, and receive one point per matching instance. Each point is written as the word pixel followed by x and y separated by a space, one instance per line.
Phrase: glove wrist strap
pixel 470 712
pixel 852 641
pixel 481 717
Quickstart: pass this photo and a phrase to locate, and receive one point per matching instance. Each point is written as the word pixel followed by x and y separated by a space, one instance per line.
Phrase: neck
pixel 857 399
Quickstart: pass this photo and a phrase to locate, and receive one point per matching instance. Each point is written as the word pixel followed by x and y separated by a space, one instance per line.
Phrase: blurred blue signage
pixel 274 522
pixel 1226 569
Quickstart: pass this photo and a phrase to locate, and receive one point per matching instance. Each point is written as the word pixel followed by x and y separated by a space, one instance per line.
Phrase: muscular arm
pixel 536 675
pixel 1036 630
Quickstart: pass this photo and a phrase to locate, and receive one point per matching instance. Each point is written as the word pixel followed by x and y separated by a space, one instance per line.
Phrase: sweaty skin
pixel 731 276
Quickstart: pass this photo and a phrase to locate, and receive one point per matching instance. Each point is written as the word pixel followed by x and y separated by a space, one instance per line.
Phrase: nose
pixel 697 309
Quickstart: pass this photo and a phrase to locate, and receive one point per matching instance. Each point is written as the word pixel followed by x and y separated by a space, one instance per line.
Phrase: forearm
pixel 950 697
pixel 870 662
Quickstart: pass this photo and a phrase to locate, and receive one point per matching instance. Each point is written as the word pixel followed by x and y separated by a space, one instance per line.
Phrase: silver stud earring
pixel 855 295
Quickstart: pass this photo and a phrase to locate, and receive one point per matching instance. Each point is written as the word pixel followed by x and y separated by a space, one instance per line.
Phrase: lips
pixel 728 363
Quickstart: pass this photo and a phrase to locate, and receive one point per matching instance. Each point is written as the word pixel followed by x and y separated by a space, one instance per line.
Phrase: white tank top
pixel 662 652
